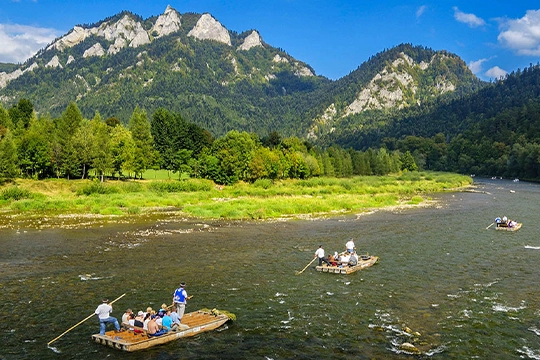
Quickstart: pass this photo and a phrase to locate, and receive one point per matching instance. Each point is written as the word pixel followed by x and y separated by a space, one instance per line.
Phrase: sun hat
pixel 182 284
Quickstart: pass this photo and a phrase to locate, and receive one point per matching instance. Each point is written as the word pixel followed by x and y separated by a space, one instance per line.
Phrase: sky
pixel 332 36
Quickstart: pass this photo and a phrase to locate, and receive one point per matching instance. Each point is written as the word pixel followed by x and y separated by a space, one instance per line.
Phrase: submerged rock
pixel 410 348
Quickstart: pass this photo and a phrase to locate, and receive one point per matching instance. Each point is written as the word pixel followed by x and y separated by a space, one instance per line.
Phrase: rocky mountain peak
pixel 252 40
pixel 208 28
pixel 167 23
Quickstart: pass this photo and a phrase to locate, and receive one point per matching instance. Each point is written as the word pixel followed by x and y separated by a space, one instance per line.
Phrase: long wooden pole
pixel 80 322
pixel 299 272
pixel 490 225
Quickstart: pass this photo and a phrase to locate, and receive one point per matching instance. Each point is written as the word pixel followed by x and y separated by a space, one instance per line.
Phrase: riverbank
pixel 28 202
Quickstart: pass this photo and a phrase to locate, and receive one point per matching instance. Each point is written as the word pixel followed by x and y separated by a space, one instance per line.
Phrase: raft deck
pixel 197 322
pixel 508 228
pixel 362 264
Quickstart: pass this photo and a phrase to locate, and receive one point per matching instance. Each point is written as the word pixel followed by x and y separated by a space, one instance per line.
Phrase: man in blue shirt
pixel 180 298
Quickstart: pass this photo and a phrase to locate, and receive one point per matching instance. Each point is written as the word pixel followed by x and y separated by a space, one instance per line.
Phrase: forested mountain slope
pixel 493 132
pixel 221 80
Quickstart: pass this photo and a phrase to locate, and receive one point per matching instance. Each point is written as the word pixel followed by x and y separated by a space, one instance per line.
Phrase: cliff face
pixel 208 28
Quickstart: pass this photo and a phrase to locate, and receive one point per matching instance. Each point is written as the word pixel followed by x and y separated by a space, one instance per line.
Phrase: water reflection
pixel 462 291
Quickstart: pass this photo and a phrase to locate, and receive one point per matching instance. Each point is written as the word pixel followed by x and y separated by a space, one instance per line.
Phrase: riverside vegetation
pixel 202 198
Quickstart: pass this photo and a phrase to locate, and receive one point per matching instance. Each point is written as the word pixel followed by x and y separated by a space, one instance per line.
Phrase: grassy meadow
pixel 199 198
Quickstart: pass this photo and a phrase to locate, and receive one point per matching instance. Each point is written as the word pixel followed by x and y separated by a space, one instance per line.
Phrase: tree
pixel 122 148
pixel 407 162
pixel 5 119
pixel 84 145
pixel 66 126
pixel 144 155
pixel 34 149
pixel 102 158
pixel 8 157
pixel 21 114
pixel 235 151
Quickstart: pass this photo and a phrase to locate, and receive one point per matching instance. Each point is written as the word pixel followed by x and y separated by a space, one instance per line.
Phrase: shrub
pixel 263 183
pixel 96 188
pixel 180 186
pixel 15 193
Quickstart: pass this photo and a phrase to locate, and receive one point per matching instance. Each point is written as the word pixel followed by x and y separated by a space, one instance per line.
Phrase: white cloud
pixel 522 35
pixel 19 42
pixel 496 72
pixel 469 19
pixel 420 11
pixel 476 66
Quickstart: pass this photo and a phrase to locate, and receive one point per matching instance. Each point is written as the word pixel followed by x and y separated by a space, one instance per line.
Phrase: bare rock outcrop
pixel 252 40
pixel 118 45
pixel 54 62
pixel 5 78
pixel 280 59
pixel 167 23
pixel 95 50
pixel 127 28
pixel 74 37
pixel 208 28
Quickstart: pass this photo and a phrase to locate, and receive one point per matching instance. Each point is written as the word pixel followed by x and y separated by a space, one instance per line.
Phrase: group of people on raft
pixel 348 258
pixel 504 222
pixel 151 322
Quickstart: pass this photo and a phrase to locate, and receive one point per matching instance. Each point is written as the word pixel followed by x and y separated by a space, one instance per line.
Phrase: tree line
pixel 71 146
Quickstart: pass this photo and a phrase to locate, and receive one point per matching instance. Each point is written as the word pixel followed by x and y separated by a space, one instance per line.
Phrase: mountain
pixel 221 80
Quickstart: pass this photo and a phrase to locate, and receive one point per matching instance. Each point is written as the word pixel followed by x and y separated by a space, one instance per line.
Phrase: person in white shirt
pixel 344 260
pixel 103 312
pixel 320 253
pixel 350 246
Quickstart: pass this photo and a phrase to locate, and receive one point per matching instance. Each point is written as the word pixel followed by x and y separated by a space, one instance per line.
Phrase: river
pixel 470 292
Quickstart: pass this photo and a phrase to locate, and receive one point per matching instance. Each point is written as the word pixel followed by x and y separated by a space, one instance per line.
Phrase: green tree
pixel 407 162
pixel 8 157
pixel 64 155
pixel 122 148
pixel 102 158
pixel 235 151
pixel 144 155
pixel 84 145
pixel 34 149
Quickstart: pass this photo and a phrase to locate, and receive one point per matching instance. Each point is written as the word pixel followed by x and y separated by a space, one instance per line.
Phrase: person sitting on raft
pixel 344 260
pixel 153 327
pixel 332 260
pixel 353 260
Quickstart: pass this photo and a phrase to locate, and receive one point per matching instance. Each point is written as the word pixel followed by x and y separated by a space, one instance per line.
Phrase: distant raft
pixel 505 227
pixel 196 322
pixel 364 261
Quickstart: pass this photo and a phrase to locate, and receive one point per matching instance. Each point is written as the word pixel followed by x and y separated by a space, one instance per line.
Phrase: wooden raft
pixel 197 322
pixel 362 264
pixel 507 228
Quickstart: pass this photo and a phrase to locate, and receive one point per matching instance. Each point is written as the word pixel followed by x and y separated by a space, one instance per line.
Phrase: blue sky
pixel 334 37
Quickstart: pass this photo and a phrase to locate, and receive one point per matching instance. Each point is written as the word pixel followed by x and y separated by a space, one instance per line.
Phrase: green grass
pixel 203 199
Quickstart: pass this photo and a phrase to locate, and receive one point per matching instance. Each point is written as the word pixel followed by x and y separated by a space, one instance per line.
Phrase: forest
pixel 493 132
pixel 71 146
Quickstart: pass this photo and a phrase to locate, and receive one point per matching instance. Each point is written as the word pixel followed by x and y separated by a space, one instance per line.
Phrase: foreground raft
pixel 516 227
pixel 197 322
pixel 363 262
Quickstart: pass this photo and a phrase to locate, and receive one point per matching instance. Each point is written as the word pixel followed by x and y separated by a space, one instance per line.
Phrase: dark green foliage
pixel 15 193
pixel 180 186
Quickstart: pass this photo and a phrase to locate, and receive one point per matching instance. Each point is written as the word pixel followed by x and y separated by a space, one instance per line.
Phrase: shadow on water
pixel 466 292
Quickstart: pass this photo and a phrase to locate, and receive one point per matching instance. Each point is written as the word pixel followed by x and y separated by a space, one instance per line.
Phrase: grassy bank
pixel 263 199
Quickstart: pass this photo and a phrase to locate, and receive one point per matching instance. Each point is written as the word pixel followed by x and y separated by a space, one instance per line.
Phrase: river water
pixel 470 292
